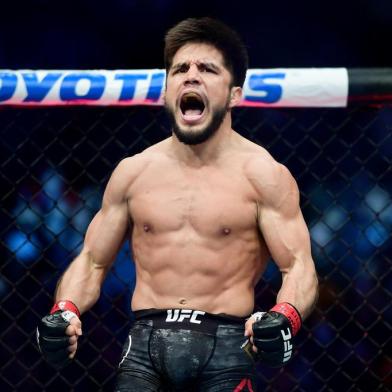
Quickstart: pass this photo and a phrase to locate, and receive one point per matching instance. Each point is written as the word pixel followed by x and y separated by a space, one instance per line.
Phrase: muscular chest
pixel 208 202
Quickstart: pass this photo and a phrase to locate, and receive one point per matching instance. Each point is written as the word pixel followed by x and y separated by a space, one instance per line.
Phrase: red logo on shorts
pixel 245 382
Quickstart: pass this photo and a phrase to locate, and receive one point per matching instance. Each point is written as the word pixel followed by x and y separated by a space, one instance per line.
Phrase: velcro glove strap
pixel 291 313
pixel 65 305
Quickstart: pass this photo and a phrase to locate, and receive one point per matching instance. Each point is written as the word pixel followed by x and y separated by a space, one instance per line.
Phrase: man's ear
pixel 235 96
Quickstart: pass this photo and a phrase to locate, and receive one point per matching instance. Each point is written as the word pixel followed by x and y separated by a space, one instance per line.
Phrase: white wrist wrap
pixel 258 315
pixel 67 315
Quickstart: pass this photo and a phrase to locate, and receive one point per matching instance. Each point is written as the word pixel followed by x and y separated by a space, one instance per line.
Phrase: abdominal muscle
pixel 215 275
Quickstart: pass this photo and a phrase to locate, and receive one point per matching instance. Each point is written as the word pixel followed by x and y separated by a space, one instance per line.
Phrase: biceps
pixel 106 233
pixel 287 238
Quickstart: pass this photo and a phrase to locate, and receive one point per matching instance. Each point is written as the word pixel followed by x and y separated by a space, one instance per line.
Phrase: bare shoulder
pixel 128 171
pixel 272 181
pixel 131 167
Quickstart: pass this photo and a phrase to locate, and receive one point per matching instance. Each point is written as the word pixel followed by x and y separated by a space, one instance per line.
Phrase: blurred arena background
pixel 55 163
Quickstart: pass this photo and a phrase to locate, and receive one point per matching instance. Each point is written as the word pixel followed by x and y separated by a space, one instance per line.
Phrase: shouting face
pixel 198 92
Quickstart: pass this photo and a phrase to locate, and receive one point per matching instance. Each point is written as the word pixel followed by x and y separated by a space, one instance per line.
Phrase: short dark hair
pixel 213 32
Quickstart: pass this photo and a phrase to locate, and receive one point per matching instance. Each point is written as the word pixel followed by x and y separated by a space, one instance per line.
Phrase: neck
pixel 204 153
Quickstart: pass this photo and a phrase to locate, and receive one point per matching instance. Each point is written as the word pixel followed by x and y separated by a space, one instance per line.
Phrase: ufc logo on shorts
pixel 179 315
pixel 288 348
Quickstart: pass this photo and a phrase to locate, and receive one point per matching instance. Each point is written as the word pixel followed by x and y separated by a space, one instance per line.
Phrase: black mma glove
pixel 273 332
pixel 51 337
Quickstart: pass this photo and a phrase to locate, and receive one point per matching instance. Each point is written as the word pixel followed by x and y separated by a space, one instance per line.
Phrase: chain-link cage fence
pixel 55 163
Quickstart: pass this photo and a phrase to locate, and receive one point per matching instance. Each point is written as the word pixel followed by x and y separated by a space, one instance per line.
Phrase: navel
pixel 182 301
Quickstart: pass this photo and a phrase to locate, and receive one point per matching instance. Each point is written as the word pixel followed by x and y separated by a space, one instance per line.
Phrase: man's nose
pixel 193 75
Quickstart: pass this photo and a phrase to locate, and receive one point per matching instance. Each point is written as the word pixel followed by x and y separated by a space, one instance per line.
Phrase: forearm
pixel 300 287
pixel 81 282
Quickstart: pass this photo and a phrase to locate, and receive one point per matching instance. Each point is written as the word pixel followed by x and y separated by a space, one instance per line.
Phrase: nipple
pixel 226 231
pixel 146 228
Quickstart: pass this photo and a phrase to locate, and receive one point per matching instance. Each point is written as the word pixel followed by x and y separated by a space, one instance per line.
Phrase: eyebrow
pixel 207 64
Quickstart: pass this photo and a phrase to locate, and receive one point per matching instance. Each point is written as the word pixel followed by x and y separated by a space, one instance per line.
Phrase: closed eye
pixel 207 68
pixel 180 69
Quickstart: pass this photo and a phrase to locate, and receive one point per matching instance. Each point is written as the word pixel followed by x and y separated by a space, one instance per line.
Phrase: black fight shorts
pixel 185 350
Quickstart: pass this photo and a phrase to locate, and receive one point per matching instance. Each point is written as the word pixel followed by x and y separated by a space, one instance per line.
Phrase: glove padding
pixel 272 335
pixel 52 339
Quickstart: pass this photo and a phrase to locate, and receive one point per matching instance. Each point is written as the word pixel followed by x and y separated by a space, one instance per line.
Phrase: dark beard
pixel 193 138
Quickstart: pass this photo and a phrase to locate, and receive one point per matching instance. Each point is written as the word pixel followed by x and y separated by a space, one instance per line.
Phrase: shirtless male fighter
pixel 204 210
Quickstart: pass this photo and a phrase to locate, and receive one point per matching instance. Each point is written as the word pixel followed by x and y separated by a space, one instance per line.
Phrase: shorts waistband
pixel 188 319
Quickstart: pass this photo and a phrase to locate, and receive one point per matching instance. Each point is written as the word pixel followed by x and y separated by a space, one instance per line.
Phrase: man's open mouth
pixel 192 106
